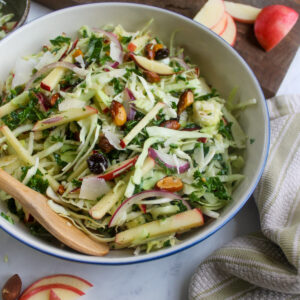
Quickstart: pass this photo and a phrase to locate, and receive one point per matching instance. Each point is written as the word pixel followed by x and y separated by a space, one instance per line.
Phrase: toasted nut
pixel 171 124
pixel 170 183
pixel 77 52
pixel 157 47
pixel 127 57
pixel 104 144
pixel 54 99
pixel 151 76
pixel 12 288
pixel 186 99
pixel 61 189
pixel 118 113
pixel 149 52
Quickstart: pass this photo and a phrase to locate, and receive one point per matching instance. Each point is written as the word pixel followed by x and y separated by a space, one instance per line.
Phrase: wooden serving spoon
pixel 36 204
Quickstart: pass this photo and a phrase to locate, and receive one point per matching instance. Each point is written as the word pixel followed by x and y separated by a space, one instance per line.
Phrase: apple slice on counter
pixel 241 12
pixel 273 23
pixel 229 34
pixel 152 65
pixel 177 223
pixel 63 291
pixel 65 117
pixel 66 279
pixel 221 26
pixel 211 13
pixel 53 296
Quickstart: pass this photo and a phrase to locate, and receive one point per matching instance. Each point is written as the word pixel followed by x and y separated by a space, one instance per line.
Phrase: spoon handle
pixel 36 204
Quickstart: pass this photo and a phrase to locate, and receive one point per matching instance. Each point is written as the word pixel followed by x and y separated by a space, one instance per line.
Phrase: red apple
pixel 70 280
pixel 63 291
pixel 241 12
pixel 53 296
pixel 221 26
pixel 273 23
pixel 118 169
pixel 229 34
pixel 211 13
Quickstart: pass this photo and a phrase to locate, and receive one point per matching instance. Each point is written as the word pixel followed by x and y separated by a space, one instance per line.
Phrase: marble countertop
pixel 164 279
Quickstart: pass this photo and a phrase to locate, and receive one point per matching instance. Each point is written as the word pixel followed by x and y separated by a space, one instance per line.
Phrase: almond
pixel 186 99
pixel 171 124
pixel 12 288
pixel 118 113
pixel 170 183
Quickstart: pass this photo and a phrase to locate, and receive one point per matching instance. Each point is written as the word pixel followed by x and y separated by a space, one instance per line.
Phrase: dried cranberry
pixel 161 53
pixel 97 163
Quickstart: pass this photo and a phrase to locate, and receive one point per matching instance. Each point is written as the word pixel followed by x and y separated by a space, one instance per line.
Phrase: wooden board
pixel 269 67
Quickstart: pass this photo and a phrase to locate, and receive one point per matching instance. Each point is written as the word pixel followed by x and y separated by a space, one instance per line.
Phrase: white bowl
pixel 220 64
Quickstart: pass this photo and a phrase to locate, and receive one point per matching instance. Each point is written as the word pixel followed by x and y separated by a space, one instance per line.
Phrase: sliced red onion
pixel 128 104
pixel 73 45
pixel 52 120
pixel 42 101
pixel 168 160
pixel 114 65
pixel 135 199
pixel 63 64
pixel 114 39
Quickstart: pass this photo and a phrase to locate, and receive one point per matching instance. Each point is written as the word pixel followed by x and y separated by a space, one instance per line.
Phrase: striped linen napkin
pixel 264 265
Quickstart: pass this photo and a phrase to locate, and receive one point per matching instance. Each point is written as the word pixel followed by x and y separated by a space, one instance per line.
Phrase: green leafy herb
pixel 37 182
pixel 225 130
pixel 59 161
pixel 76 183
pixel 60 40
pixel 94 49
pixel 126 39
pixel 213 94
pixel 7 218
pixel 118 85
pixel 252 141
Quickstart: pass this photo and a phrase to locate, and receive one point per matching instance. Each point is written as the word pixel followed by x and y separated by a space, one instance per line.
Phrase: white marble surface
pixel 164 279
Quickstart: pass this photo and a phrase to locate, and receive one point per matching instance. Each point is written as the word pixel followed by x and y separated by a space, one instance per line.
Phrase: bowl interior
pixel 219 64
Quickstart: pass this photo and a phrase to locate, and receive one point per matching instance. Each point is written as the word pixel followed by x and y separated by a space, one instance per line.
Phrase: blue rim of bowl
pixel 232 214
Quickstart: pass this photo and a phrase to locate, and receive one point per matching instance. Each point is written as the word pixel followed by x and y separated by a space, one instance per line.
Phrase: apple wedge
pixel 53 296
pixel 229 34
pixel 75 114
pixel 111 198
pixel 152 65
pixel 54 77
pixel 241 12
pixel 177 223
pixel 211 13
pixel 273 23
pixel 71 280
pixel 221 26
pixel 63 291
pixel 118 169
pixel 14 104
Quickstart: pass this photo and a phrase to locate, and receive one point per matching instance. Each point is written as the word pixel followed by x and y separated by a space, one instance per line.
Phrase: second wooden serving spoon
pixel 36 204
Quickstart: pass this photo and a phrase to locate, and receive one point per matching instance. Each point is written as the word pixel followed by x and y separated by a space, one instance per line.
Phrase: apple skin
pixel 43 288
pixel 221 26
pixel 53 296
pixel 79 283
pixel 229 34
pixel 273 23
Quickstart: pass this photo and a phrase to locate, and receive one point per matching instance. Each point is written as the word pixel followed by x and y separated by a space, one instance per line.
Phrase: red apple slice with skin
pixel 152 65
pixel 53 296
pixel 63 291
pixel 273 23
pixel 229 34
pixel 71 280
pixel 241 12
pixel 221 26
pixel 211 13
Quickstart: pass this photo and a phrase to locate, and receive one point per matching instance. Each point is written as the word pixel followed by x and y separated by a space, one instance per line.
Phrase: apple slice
pixel 273 23
pixel 177 223
pixel 53 296
pixel 221 26
pixel 152 65
pixel 229 34
pixel 241 12
pixel 63 291
pixel 71 280
pixel 211 13
pixel 65 117
pixel 118 169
